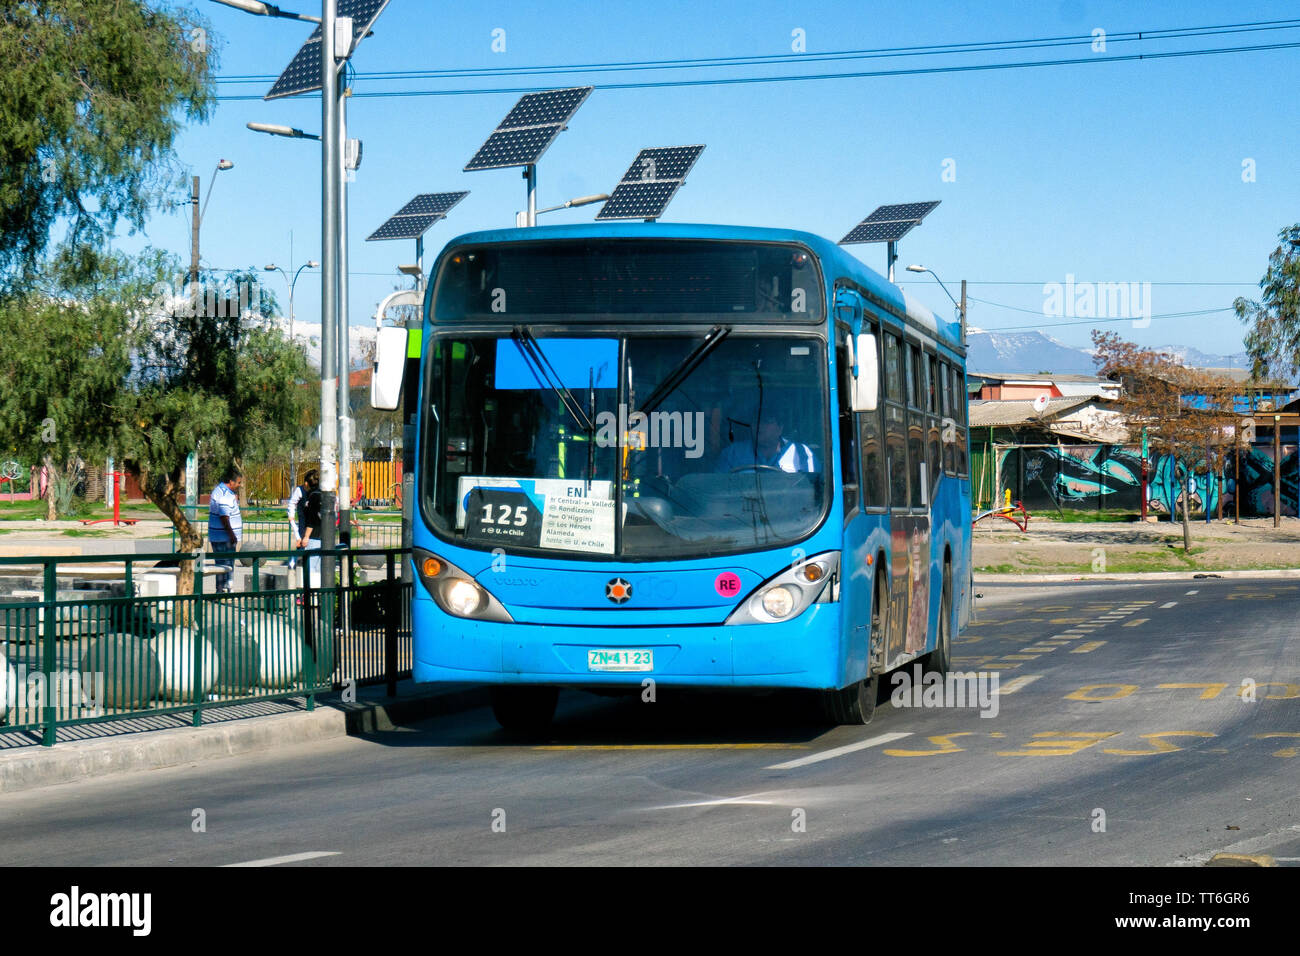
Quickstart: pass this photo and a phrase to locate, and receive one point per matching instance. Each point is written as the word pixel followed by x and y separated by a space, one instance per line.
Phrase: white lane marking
pixel 1169 605
pixel 1194 592
pixel 838 751
pixel 720 802
pixel 1017 683
pixel 291 858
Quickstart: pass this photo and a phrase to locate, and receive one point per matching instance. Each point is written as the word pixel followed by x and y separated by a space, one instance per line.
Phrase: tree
pixel 65 353
pixel 1273 341
pixel 92 96
pixel 154 371
pixel 1188 413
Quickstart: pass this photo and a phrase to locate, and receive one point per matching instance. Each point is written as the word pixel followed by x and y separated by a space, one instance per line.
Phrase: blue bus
pixel 703 456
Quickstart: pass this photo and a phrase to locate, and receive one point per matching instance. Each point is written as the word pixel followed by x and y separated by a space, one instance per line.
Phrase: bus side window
pixel 875 494
pixel 932 457
pixel 949 416
pixel 960 405
pixel 848 431
pixel 895 423
pixel 915 424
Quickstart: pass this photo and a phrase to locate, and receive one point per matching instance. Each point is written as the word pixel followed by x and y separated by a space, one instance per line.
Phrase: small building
pixel 1009 386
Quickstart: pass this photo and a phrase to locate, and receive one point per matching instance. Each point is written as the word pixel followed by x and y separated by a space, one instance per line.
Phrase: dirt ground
pixel 1056 547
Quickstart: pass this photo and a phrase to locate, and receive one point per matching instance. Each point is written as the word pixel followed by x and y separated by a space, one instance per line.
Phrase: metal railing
pixel 267 529
pixel 102 650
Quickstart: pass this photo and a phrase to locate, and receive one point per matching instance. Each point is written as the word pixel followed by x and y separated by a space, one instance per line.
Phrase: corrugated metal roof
pixel 1021 411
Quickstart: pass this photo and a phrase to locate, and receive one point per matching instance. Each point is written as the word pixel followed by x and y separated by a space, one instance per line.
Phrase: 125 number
pixel 519 513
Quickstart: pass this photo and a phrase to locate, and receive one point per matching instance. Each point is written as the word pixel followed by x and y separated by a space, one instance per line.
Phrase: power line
pixel 838 55
pixel 1130 318
pixel 863 74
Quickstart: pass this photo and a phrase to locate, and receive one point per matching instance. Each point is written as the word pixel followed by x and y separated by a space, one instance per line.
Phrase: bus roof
pixel 836 261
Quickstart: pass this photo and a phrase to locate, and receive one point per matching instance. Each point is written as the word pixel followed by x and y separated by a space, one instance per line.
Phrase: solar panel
pixel 662 163
pixel 639 200
pixel 902 212
pixel 889 223
pixel 879 231
pixel 528 129
pixel 302 75
pixel 431 203
pixel 513 147
pixel 404 227
pixel 413 219
pixel 553 106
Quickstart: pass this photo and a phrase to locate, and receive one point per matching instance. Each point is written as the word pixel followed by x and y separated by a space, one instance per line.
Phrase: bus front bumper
pixel 802 653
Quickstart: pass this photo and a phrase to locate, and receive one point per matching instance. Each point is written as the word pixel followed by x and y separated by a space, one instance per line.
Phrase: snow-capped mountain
pixel 1033 352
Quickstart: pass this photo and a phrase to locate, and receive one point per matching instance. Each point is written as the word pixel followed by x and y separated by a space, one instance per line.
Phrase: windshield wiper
pixel 532 351
pixel 684 370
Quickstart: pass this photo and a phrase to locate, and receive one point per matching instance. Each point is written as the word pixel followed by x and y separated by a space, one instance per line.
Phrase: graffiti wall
pixel 1110 477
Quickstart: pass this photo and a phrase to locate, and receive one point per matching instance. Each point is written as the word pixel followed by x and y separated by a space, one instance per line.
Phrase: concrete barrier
pixel 175 650
pixel 130 668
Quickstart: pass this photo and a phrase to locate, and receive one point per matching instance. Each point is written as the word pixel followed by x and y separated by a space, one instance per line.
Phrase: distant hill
pixel 1033 352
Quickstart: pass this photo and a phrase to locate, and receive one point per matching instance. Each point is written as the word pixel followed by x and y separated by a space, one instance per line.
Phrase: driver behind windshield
pixel 769 448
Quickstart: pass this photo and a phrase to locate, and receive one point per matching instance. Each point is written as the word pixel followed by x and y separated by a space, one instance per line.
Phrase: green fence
pixel 267 529
pixel 93 648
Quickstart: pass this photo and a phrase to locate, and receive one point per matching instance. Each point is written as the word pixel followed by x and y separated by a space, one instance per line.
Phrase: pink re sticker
pixel 727 584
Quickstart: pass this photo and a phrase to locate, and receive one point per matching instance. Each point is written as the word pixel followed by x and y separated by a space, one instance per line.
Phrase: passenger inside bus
pixel 768 447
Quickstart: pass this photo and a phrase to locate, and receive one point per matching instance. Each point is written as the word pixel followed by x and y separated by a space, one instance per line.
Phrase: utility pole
pixel 194 230
pixel 1277 470
pixel 963 311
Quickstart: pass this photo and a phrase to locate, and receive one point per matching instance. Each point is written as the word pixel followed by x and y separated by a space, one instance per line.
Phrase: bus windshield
pixel 672 445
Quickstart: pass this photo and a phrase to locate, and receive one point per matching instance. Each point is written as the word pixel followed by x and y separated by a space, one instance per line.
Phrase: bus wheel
pixel 524 710
pixel 939 660
pixel 855 704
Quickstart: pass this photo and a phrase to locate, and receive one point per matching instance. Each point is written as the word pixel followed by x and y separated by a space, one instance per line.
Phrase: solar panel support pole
pixel 530 173
pixel 344 334
pixel 891 256
pixel 330 174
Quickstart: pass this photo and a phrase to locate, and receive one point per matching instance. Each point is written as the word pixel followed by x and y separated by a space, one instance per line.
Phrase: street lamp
pixel 961 306
pixel 272 267
pixel 521 218
pixel 197 213
pixel 275 129
pixel 267 10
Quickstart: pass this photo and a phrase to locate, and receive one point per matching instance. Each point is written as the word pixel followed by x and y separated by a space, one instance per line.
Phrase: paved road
pixel 1123 735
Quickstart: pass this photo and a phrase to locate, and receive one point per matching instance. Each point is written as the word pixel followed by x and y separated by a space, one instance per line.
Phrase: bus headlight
pixel 463 597
pixel 456 592
pixel 786 595
pixel 778 601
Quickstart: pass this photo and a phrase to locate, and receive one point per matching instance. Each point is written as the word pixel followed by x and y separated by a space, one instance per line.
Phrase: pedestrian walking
pixel 225 524
pixel 305 520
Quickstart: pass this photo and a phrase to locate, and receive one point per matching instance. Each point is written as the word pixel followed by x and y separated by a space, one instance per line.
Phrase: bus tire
pixel 852 705
pixel 939 660
pixel 524 710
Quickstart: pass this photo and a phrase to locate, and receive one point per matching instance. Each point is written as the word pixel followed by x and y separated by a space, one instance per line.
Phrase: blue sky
pixel 1122 171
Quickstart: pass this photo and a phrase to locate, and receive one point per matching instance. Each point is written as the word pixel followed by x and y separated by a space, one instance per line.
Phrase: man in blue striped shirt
pixel 225 525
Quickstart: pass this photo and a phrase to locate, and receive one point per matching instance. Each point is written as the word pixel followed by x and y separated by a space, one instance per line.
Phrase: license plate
pixel 620 660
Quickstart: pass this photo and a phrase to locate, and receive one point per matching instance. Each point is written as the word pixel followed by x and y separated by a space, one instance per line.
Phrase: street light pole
pixel 345 335
pixel 329 280
pixel 961 306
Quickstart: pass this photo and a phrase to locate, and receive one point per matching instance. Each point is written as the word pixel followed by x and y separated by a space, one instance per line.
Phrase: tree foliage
pixel 1273 341
pixel 132 364
pixel 1188 413
pixel 92 96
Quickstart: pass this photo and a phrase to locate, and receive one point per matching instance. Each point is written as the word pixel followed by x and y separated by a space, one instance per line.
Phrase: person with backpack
pixel 305 519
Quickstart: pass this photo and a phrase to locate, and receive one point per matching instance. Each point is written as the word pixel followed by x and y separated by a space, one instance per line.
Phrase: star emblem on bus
pixel 618 590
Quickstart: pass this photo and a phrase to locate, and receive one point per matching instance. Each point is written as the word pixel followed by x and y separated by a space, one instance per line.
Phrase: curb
pixel 75 761
pixel 1188 575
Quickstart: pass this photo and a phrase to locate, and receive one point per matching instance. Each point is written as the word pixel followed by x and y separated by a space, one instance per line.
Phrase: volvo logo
pixel 618 590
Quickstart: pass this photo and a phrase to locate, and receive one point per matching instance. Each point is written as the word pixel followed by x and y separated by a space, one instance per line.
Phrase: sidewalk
pixel 151 743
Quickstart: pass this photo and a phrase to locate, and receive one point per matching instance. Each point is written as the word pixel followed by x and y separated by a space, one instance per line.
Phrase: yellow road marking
pixel 1017 683
pixel 1000 667
pixel 1285 751
pixel 1085 693
pixel 1086 648
pixel 1054 743
pixel 1241 859
pixel 1158 744
pixel 673 747
pixel 942 741
pixel 1038 648
pixel 1208 691
pixel 1020 657
pixel 1136 621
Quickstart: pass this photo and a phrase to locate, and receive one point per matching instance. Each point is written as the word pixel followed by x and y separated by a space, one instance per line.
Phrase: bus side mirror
pixel 390 367
pixel 866 383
